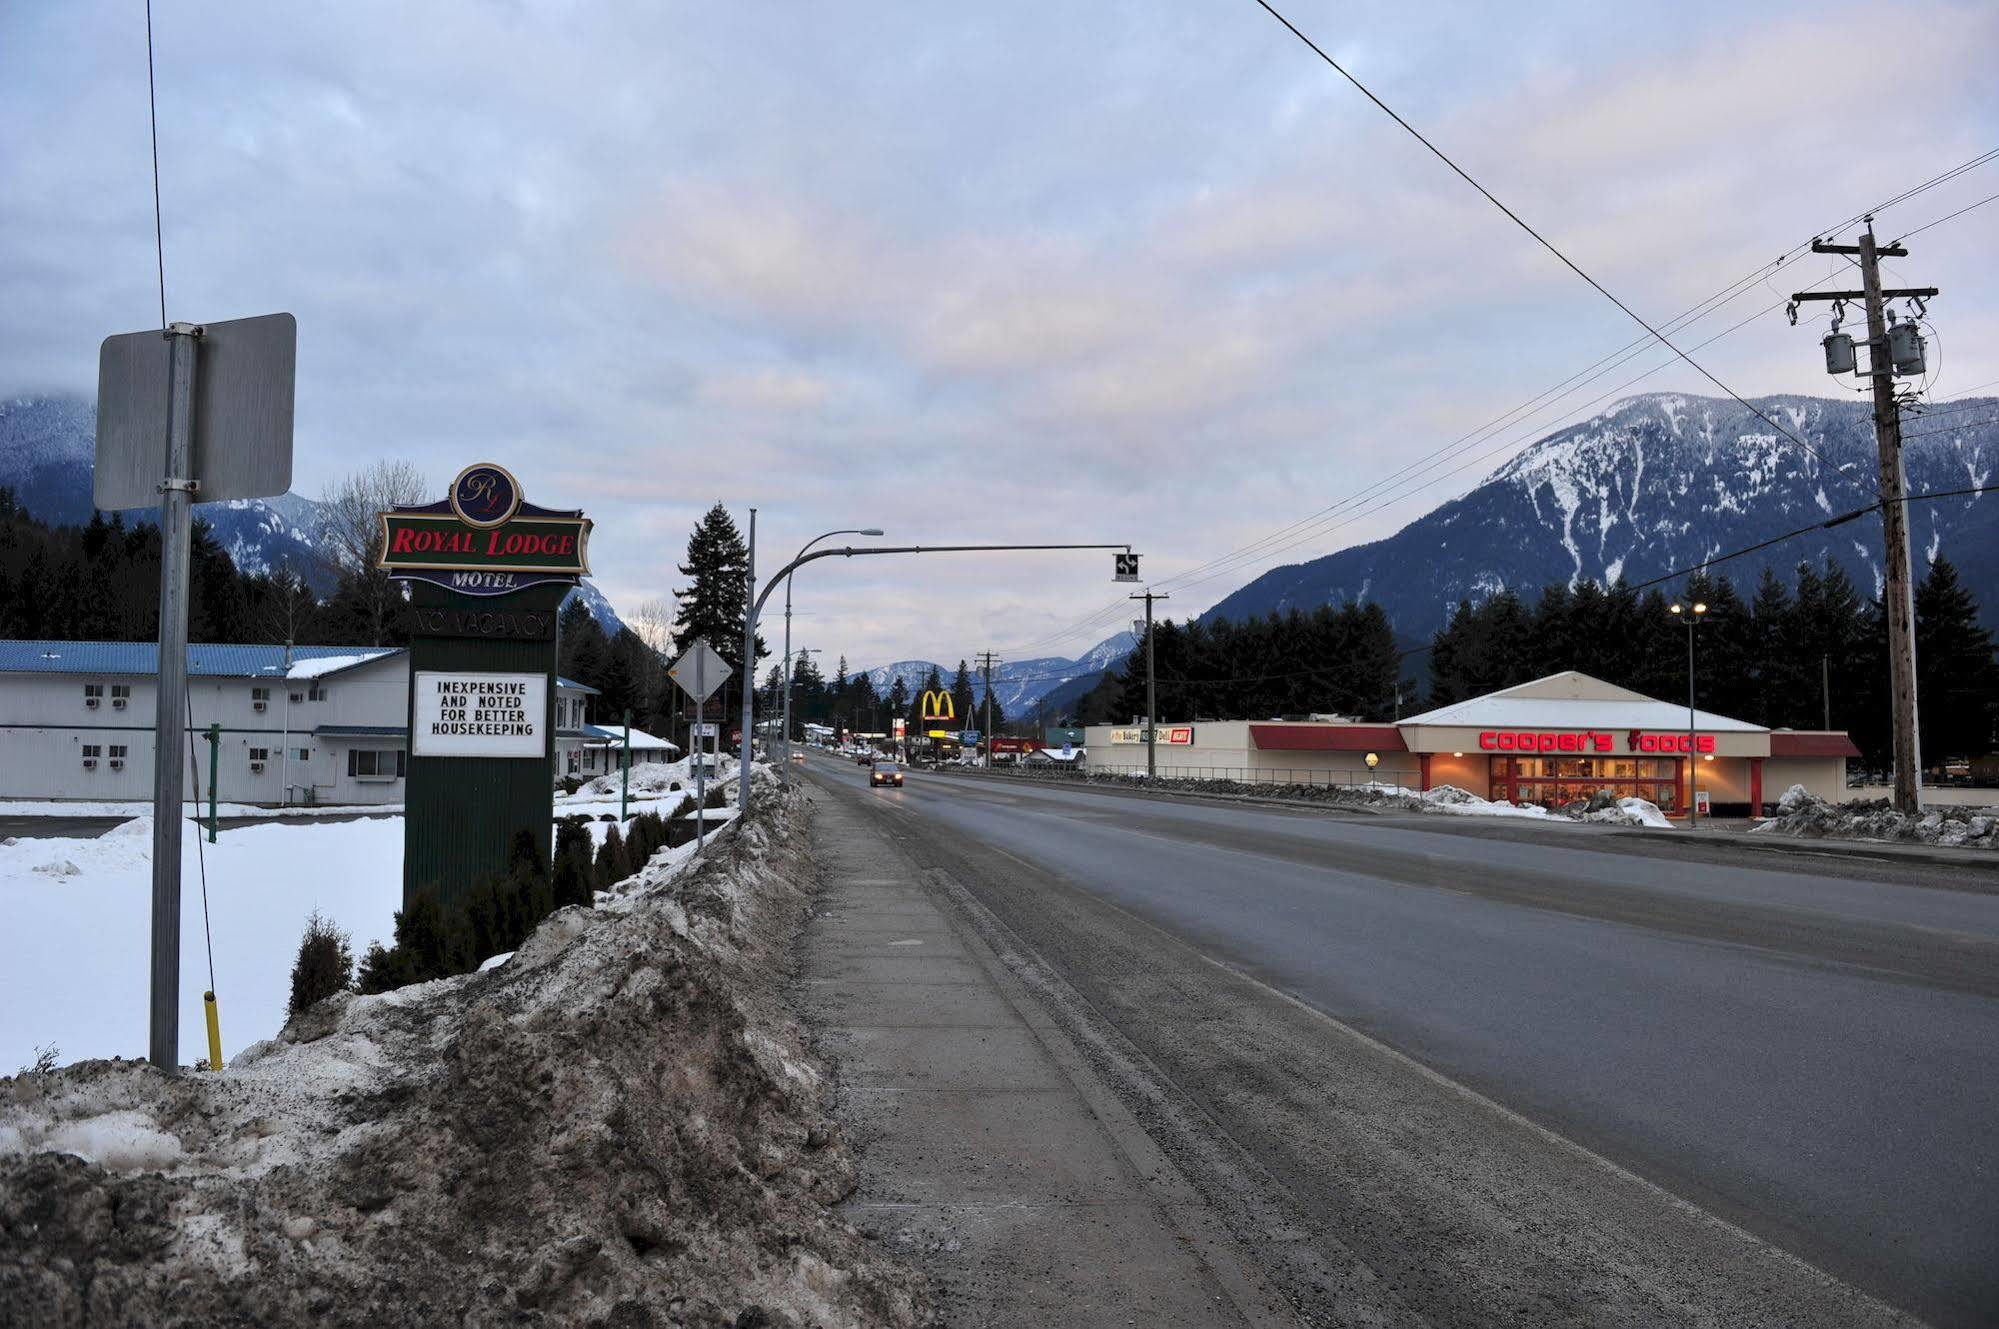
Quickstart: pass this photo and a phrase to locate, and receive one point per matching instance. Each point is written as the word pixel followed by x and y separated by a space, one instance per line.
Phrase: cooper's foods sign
pixel 465 714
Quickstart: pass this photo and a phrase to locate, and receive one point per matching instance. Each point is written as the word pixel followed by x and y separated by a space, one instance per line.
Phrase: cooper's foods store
pixel 1551 741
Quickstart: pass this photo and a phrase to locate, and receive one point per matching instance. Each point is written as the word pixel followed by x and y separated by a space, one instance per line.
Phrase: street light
pixel 784 769
pixel 791 663
pixel 1691 615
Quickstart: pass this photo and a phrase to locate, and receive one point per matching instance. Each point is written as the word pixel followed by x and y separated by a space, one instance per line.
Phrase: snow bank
pixel 1802 813
pixel 621 1124
pixel 1447 799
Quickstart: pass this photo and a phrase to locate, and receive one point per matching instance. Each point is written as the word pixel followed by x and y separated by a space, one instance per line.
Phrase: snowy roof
pixel 1573 700
pixel 203 660
pixel 571 685
pixel 615 736
pixel 329 664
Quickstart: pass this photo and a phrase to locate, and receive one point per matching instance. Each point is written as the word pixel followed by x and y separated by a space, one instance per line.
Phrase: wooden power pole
pixel 986 663
pixel 1898 592
pixel 1151 691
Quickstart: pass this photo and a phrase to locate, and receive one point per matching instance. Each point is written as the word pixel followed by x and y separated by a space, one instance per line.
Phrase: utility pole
pixel 749 680
pixel 987 662
pixel 1151 690
pixel 1898 594
pixel 1825 689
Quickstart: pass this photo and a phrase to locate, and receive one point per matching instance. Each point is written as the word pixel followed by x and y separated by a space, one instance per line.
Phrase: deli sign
pixel 1592 741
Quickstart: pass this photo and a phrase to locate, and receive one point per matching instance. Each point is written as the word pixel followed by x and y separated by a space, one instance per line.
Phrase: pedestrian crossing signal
pixel 1127 567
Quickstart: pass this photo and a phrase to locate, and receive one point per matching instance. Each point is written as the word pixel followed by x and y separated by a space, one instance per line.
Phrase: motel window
pixel 297 697
pixel 92 693
pixel 375 763
pixel 260 754
pixel 117 752
pixel 121 691
pixel 302 754
pixel 260 694
pixel 317 692
pixel 91 751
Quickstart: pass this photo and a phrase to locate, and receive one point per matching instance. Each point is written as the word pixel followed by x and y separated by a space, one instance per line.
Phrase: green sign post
pixel 487 573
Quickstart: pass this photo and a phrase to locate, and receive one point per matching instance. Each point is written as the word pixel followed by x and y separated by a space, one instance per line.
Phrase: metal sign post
pixel 699 672
pixel 176 491
pixel 237 379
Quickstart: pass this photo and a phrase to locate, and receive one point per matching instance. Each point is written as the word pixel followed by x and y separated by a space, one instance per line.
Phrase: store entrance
pixel 1551 781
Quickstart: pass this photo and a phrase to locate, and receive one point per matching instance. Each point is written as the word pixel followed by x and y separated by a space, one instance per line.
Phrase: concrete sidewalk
pixel 987 1156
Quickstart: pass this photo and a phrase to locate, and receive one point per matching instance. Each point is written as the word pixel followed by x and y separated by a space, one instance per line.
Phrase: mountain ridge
pixel 1655 483
pixel 48 446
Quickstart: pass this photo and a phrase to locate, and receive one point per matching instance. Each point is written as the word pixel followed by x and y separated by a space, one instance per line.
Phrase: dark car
pixel 864 759
pixel 885 773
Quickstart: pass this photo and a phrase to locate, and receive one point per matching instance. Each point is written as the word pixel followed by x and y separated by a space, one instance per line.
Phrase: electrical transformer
pixel 1838 353
pixel 1905 349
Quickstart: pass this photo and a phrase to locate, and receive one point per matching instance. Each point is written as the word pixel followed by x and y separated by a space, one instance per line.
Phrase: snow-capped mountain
pixel 46 449
pixel 1017 684
pixel 1659 482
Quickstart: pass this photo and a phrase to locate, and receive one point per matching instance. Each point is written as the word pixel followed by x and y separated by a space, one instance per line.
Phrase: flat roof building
pixel 1551 741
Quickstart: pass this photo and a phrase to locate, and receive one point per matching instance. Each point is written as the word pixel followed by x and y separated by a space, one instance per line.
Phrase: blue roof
pixel 574 686
pixel 142 657
pixel 359 731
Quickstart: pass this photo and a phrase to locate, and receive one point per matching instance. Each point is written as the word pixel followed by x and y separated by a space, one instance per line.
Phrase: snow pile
pixel 619 1125
pixel 651 777
pixel 1802 813
pixel 1379 794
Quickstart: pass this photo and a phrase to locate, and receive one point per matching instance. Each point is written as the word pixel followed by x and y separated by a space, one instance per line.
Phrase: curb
pixel 1873 851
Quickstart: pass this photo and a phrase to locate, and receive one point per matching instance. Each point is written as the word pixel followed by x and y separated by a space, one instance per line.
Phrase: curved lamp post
pixel 1691 615
pixel 785 769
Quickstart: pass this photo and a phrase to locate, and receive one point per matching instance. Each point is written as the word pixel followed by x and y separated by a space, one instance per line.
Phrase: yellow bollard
pixel 214 1032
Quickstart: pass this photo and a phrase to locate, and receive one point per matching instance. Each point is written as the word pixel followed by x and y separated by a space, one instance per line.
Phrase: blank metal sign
pixel 243 376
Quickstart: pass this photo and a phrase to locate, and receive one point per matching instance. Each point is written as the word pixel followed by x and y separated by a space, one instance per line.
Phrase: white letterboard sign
pixel 470 714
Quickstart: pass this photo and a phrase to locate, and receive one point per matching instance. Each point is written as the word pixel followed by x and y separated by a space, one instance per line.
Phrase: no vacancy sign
pixel 466 714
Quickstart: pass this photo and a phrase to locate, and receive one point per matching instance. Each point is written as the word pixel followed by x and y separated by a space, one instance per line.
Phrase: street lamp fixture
pixel 1691 615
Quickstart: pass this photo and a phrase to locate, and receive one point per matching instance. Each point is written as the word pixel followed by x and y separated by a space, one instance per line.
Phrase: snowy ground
pixel 77 916
pixel 74 949
pixel 620 1124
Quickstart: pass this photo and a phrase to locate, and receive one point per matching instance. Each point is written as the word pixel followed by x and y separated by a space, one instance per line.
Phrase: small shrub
pixel 570 783
pixel 325 963
pixel 612 864
pixel 44 1062
pixel 718 796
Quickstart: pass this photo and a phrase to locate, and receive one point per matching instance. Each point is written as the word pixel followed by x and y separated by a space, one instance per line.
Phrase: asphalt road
pixel 1807 1049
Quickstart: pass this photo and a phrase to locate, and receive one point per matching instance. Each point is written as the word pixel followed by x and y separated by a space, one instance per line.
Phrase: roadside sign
pixel 708 730
pixel 700 672
pixel 474 713
pixel 241 447
pixel 1126 566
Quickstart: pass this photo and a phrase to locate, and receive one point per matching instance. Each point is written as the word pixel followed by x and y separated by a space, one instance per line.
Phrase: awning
pixel 1811 745
pixel 360 731
pixel 1327 738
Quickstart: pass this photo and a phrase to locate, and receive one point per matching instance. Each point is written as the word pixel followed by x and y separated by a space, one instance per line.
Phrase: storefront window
pixel 1553 781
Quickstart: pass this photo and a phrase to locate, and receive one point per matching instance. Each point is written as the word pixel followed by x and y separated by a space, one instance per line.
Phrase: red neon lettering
pixel 1543 742
pixel 401 544
pixel 1601 742
pixel 1571 743
pixel 1488 740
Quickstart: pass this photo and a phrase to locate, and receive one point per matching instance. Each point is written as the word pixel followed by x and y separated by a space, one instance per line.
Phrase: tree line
pixel 1804 654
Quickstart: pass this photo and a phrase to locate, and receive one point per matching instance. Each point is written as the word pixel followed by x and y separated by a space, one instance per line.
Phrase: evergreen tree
pixel 962 696
pixel 713 603
pixel 1956 674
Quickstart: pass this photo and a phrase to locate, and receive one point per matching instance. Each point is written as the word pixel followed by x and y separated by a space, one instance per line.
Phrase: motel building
pixel 1552 741
pixel 299 725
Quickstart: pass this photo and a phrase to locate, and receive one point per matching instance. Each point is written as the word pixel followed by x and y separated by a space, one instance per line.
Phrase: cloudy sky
pixel 1137 270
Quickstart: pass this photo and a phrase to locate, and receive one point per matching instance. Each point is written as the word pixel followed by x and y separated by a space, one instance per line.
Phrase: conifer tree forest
pixel 1803 653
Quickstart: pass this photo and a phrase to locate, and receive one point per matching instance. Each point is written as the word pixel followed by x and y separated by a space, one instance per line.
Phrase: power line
pixel 1947 217
pixel 1314 525
pixel 1544 242
pixel 153 116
